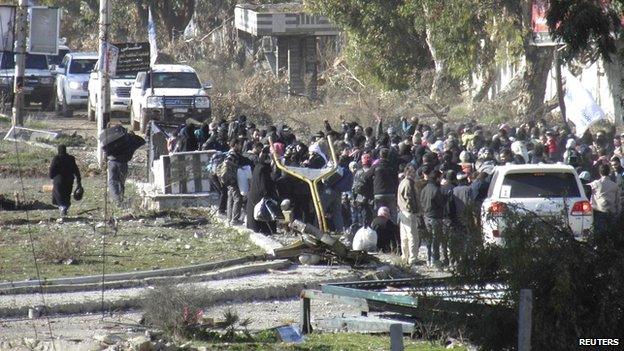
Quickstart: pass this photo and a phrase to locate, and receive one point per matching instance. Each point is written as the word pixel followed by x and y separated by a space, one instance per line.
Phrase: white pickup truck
pixel 72 77
pixel 169 93
pixel 120 94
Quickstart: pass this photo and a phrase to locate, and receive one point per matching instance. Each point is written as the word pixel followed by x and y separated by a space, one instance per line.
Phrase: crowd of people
pixel 411 182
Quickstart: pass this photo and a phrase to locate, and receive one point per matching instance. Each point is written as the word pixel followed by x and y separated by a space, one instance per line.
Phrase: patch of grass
pixel 143 241
pixel 68 140
pixel 333 341
pixel 34 123
pixel 34 160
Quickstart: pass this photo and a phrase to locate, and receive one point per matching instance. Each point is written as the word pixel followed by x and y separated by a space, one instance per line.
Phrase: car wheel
pixel 90 111
pixel 67 111
pixel 47 104
pixel 56 106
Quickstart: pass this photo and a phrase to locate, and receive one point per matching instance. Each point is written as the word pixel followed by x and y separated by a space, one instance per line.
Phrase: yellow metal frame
pixel 312 183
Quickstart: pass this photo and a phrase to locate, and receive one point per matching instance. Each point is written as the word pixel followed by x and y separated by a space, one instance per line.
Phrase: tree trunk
pixel 488 80
pixel 527 89
pixel 142 12
pixel 534 78
pixel 440 79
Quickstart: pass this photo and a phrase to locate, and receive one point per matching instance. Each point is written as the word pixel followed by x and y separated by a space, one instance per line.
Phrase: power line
pixel 32 245
pixel 106 224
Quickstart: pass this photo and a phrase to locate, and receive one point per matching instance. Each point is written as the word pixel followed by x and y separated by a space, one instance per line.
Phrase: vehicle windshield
pixel 540 185
pixel 175 80
pixel 57 59
pixel 81 66
pixel 33 61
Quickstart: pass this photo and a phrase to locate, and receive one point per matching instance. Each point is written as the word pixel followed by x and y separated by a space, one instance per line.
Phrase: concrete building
pixel 288 40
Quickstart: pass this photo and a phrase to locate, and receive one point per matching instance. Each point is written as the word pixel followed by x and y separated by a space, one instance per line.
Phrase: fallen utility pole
pixel 103 104
pixel 21 23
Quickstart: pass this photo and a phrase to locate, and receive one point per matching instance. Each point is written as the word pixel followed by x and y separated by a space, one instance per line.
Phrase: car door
pixel 137 93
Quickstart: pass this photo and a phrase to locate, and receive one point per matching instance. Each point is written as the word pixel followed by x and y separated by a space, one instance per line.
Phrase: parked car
pixel 72 79
pixel 38 80
pixel 120 94
pixel 170 93
pixel 545 190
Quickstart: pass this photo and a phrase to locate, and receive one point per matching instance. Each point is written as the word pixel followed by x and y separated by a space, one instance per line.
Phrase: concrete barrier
pixel 182 172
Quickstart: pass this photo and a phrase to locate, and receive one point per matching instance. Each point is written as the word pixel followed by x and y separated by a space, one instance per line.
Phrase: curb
pixel 210 297
pixel 166 272
pixel 225 273
pixel 264 242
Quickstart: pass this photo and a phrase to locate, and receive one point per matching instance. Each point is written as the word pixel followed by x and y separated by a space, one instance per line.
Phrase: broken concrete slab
pixel 31 136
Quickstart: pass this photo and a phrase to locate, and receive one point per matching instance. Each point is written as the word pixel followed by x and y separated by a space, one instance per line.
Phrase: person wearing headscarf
pixel 262 185
pixel 388 239
pixel 63 170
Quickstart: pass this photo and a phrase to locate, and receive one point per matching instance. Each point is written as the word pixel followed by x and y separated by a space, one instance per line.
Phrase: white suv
pixel 168 93
pixel 72 79
pixel 120 94
pixel 545 190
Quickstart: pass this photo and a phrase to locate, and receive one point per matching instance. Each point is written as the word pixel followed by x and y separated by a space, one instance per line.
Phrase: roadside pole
pixel 21 22
pixel 560 93
pixel 103 107
pixel 524 320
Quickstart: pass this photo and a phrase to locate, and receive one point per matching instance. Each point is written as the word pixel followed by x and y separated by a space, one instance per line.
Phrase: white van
pixel 546 190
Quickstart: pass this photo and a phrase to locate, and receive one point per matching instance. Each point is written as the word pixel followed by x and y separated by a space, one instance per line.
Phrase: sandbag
pixel 114 140
pixel 365 240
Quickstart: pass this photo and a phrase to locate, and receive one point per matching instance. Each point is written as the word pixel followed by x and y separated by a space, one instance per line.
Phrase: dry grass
pixel 62 247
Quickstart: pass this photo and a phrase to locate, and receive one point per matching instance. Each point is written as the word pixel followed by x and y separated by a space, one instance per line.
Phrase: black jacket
pixel 385 178
pixel 432 200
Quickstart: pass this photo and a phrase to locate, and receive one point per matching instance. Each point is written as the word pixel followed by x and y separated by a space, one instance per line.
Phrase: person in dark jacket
pixel 478 191
pixel 362 190
pixel 188 140
pixel 385 177
pixel 432 202
pixel 63 170
pixel 262 185
pixel 387 231
pixel 450 181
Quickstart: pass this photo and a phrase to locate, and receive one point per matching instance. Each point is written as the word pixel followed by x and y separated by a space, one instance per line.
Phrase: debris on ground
pixel 315 243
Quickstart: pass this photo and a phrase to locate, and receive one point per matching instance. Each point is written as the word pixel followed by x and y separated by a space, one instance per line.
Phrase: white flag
pixel 581 108
pixel 151 33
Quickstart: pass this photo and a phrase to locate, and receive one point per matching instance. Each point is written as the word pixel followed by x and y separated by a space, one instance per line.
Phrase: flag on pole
pixel 151 33
pixel 581 108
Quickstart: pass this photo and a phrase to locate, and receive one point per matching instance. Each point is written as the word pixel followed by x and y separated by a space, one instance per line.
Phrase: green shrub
pixel 173 310
pixel 578 287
